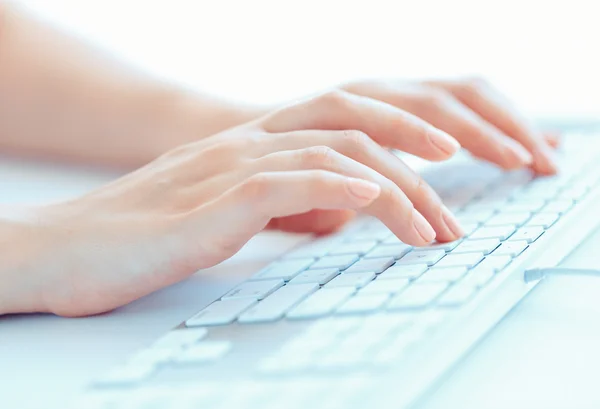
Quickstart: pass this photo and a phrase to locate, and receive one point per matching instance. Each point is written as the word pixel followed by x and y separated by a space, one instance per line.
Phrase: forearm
pixel 61 98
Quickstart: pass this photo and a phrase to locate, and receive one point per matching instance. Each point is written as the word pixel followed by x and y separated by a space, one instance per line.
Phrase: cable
pixel 539 273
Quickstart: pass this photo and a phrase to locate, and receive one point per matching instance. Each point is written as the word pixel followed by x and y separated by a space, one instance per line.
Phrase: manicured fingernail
pixel 452 223
pixel 444 142
pixel 423 227
pixel 363 190
pixel 520 153
pixel 545 160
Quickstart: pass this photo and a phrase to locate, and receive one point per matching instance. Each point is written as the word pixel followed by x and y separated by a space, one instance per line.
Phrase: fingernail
pixel 444 142
pixel 423 227
pixel 521 154
pixel 363 190
pixel 452 223
pixel 545 160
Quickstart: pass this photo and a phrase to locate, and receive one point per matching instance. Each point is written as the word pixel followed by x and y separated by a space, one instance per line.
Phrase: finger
pixel 495 109
pixel 553 138
pixel 355 154
pixel 386 124
pixel 393 207
pixel 474 133
pixel 443 110
pixel 317 221
pixel 245 209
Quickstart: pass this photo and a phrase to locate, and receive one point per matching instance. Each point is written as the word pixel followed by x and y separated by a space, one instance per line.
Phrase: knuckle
pixel 357 141
pixel 334 98
pixel 422 190
pixel 472 87
pixel 318 157
pixel 256 188
pixel 392 199
pixel 435 98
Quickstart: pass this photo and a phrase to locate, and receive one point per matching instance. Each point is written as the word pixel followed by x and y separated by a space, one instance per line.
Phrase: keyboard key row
pixel 275 306
pixel 321 303
pixel 376 265
pixel 418 295
pixel 421 257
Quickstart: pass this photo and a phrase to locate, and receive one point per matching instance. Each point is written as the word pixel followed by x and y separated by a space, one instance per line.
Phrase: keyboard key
pixel 361 304
pixel 470 228
pixel 486 203
pixel 390 286
pixel 494 263
pixel 321 303
pixel 533 194
pixel 418 295
pixel 277 304
pixel 389 250
pixel 393 239
pixel 441 246
pixel 407 271
pixel 460 260
pixel 485 246
pixel 376 265
pixel 356 280
pixel 284 270
pixel 155 356
pixel 359 247
pixel 204 352
pixel 180 338
pixel 511 248
pixel 457 295
pixel 477 277
pixel 369 235
pixel 508 219
pixel 499 232
pixel 313 249
pixel 530 206
pixel 221 312
pixel 341 262
pixel 421 257
pixel 318 276
pixel 443 274
pixel 253 289
pixel 544 220
pixel 560 206
pixel 478 217
pixel 529 234
pixel 573 193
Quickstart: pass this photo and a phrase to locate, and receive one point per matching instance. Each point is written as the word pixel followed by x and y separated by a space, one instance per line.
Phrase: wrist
pixel 21 243
pixel 187 117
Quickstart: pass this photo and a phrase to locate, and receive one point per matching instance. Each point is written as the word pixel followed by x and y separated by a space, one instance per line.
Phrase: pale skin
pixel 213 173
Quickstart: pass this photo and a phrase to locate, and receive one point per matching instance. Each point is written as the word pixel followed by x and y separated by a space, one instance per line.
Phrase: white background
pixel 543 53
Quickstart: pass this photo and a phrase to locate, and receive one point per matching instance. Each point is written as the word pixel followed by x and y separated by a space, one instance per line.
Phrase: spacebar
pixel 277 304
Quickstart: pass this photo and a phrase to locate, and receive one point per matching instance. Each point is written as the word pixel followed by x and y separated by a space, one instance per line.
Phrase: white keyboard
pixel 326 320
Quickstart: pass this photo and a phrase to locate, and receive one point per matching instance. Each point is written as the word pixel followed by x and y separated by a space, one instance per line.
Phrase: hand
pixel 477 115
pixel 199 204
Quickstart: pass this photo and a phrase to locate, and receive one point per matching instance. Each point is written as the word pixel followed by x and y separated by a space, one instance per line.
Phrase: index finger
pixel 387 125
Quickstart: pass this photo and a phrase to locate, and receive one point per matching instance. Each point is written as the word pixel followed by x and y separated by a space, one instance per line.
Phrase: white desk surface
pixel 543 355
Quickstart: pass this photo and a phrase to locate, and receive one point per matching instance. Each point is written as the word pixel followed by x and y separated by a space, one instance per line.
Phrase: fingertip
pixel 362 191
pixel 520 155
pixel 422 227
pixel 545 161
pixel 444 142
pixel 452 223
pixel 553 139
